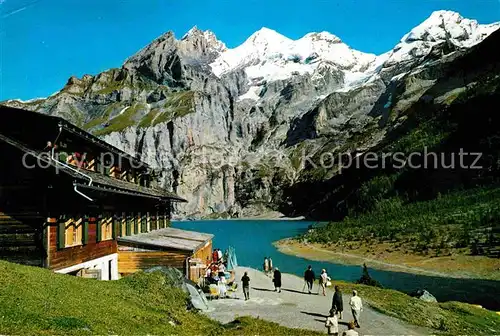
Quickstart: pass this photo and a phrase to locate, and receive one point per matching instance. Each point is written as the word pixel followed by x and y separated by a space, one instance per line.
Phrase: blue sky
pixel 44 42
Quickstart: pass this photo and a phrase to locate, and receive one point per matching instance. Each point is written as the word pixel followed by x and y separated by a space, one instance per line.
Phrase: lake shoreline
pixel 317 252
pixel 264 217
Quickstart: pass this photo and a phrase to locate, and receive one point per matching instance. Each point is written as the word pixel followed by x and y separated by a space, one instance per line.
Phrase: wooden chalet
pixel 165 247
pixel 67 198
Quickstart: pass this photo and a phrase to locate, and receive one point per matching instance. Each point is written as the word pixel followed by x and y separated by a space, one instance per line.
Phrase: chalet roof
pixel 169 238
pixel 93 180
pixel 15 114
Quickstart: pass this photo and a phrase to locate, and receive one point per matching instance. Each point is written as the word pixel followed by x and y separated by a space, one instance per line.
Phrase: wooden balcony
pixel 94 166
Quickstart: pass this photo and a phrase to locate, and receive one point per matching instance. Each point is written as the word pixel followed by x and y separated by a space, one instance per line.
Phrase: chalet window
pixel 105 228
pixel 168 217
pixel 154 222
pixel 161 219
pixel 123 225
pixel 71 231
pixel 139 224
pixel 144 223
pixel 130 225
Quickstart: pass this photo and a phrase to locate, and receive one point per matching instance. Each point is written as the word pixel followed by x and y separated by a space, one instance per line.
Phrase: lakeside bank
pixel 382 257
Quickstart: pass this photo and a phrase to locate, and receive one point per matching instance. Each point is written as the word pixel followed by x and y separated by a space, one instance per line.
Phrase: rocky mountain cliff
pixel 231 130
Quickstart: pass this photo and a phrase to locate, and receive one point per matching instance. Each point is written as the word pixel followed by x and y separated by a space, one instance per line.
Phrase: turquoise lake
pixel 252 240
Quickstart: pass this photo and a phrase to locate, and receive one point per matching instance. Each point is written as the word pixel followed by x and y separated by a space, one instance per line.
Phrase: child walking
pixel 332 323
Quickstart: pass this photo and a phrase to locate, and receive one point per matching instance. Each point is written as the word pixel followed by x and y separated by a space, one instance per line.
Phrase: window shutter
pixel 121 220
pixel 167 219
pixel 136 223
pixel 98 229
pixel 129 224
pixel 61 233
pixel 85 230
pixel 114 230
pixel 137 219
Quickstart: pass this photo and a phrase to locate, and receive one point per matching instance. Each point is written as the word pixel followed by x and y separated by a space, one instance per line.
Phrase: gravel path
pixel 295 309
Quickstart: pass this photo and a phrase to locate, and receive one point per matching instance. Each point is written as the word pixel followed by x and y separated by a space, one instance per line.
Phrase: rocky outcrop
pixel 229 129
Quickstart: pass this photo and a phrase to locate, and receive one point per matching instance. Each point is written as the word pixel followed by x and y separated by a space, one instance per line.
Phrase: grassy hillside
pixel 449 318
pixel 461 221
pixel 36 301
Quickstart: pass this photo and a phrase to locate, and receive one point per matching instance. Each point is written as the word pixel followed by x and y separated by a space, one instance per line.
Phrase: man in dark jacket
pixel 309 278
pixel 277 280
pixel 245 281
pixel 337 302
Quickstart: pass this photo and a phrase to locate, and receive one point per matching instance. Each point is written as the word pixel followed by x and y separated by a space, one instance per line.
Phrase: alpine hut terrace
pixel 68 199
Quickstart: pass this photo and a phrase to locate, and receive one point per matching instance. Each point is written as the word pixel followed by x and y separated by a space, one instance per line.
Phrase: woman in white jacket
pixel 324 279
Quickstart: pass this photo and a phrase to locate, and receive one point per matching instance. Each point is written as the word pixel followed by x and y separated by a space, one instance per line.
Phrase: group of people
pixel 268 265
pixel 337 302
pixel 215 273
pixel 336 310
pixel 268 268
pixel 337 307
pixel 324 280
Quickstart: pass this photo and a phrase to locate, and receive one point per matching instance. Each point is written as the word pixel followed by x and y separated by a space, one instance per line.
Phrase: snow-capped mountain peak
pixel 268 55
pixel 441 26
pixel 266 36
pixel 323 36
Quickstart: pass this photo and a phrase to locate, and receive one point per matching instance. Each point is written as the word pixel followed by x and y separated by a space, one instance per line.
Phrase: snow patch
pixel 398 77
pixel 26 101
pixel 123 110
pixel 252 93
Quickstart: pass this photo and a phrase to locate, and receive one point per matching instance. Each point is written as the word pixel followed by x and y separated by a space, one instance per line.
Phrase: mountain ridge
pixel 166 104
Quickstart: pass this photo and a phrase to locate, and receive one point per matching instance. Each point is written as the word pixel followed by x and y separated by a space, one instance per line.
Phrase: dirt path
pixel 297 309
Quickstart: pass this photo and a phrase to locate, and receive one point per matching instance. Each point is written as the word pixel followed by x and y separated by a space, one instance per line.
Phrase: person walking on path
pixel 323 280
pixel 277 280
pixel 309 278
pixel 356 307
pixel 338 302
pixel 266 265
pixel 245 280
pixel 332 323
pixel 270 264
pixel 350 330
